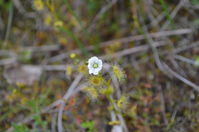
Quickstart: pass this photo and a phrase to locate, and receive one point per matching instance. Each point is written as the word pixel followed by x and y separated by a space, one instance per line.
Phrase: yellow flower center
pixel 95 65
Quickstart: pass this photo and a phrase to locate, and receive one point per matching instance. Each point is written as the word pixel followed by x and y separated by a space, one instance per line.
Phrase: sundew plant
pixel 103 80
pixel 98 80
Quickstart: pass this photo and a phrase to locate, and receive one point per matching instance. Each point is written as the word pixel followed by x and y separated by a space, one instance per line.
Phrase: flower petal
pixel 92 61
pixel 95 72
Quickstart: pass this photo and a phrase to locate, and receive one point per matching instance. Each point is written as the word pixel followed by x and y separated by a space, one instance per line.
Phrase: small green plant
pixel 25 56
pixel 195 2
pixel 197 61
pixel 20 128
pixel 89 125
pixel 166 11
pixel 35 106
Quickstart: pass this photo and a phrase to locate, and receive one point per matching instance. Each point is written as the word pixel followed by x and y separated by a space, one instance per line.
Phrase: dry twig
pixel 65 97
pixel 181 78
pixel 125 40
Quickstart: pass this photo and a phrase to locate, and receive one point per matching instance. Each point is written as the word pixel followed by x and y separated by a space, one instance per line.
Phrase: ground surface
pixel 44 48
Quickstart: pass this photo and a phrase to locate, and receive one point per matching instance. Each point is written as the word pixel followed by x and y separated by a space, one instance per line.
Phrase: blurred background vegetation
pixel 43 42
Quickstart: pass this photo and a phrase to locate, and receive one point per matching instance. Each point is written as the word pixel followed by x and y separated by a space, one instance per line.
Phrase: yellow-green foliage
pixel 112 123
pixel 92 92
pixel 82 68
pixel 118 72
pixel 38 4
pixel 69 70
pixel 122 102
pixel 48 19
pixel 107 91
pixel 96 81
pixel 72 55
pixel 58 23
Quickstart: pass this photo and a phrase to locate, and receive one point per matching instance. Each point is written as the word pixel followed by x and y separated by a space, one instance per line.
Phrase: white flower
pixel 94 65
